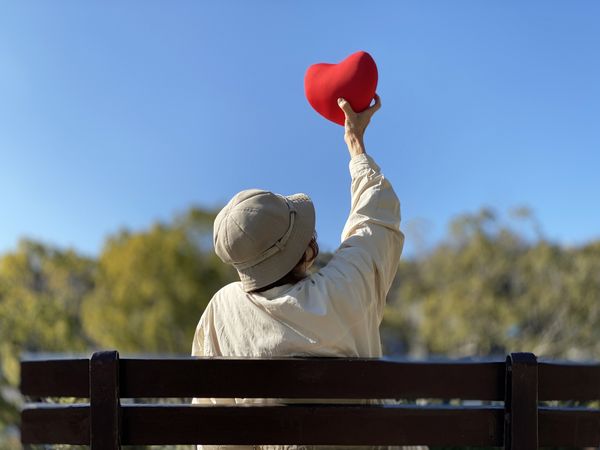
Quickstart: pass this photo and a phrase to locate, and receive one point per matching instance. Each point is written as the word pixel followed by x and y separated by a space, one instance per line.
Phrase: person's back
pixel 277 309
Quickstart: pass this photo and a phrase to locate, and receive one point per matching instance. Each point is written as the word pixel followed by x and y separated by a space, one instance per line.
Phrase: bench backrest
pixel 503 407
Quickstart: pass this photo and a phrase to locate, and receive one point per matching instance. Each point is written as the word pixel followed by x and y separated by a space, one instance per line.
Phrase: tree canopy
pixel 488 290
pixel 152 286
pixel 491 287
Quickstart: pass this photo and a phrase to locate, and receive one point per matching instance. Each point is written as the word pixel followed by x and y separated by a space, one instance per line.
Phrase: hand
pixel 356 124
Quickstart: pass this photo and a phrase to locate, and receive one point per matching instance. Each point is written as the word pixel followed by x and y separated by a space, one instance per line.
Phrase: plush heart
pixel 354 79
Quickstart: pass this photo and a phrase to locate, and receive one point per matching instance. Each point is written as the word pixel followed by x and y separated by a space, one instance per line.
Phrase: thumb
pixel 345 106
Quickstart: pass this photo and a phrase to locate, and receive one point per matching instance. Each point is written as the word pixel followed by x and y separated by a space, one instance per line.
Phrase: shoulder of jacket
pixel 227 292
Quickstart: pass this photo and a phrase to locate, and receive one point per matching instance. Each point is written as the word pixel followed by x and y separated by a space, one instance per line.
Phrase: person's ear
pixel 309 258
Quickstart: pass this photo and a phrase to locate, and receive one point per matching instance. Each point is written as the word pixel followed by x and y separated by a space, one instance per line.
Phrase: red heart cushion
pixel 354 79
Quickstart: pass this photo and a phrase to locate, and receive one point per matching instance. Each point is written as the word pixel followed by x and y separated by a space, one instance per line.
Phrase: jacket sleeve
pixel 362 269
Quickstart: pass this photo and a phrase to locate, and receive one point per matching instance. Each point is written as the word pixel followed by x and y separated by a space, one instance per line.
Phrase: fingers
pixel 377 104
pixel 345 105
pixel 347 108
pixel 373 109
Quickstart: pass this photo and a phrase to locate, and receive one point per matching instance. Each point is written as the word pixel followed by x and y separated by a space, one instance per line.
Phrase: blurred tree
pixel 152 286
pixel 491 287
pixel 41 290
pixel 488 290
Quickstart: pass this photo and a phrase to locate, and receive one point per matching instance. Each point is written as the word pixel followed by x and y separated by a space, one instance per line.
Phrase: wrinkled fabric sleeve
pixel 363 267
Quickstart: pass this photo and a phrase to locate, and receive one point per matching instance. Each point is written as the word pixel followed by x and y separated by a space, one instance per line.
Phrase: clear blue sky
pixel 118 114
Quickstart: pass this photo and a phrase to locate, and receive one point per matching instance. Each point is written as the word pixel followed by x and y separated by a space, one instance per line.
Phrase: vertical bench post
pixel 105 417
pixel 521 402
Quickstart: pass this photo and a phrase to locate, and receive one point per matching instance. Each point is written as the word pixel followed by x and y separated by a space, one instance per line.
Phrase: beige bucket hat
pixel 263 234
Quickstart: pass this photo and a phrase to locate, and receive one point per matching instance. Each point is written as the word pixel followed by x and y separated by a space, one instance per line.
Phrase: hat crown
pixel 252 222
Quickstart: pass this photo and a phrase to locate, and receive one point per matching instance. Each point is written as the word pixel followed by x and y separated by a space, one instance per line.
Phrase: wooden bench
pixel 503 396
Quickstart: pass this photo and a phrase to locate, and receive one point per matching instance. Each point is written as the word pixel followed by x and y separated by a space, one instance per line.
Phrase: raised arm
pixel 356 124
pixel 364 266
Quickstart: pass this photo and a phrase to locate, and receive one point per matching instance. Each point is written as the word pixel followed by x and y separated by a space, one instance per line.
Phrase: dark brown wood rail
pixel 493 403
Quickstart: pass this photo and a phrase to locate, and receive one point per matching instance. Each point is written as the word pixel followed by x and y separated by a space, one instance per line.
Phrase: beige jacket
pixel 335 311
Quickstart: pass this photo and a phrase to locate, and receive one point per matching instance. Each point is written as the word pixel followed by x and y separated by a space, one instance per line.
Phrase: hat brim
pixel 281 263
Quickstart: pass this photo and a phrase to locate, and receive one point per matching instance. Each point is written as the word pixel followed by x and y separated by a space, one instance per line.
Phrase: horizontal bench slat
pixel 310 378
pixel 55 378
pixel 69 378
pixel 69 424
pixel 278 378
pixel 343 425
pixel 297 424
pixel 568 381
pixel 569 427
pixel 66 424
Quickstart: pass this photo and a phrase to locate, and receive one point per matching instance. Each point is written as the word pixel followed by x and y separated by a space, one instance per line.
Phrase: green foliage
pixel 488 290
pixel 152 286
pixel 41 289
pixel 144 294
